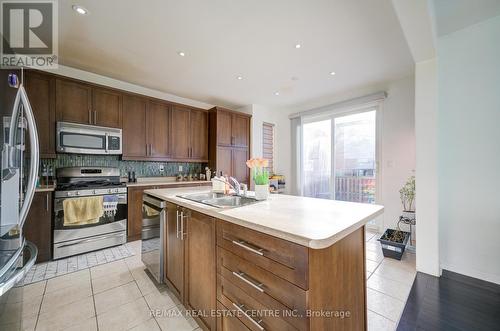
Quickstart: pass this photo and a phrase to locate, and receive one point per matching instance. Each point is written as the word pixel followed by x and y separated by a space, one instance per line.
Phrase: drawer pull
pixel 256 285
pixel 256 323
pixel 245 245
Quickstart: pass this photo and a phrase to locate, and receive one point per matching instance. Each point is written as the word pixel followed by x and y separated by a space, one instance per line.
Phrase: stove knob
pixel 110 190
pixel 69 194
pixel 77 192
pixel 93 191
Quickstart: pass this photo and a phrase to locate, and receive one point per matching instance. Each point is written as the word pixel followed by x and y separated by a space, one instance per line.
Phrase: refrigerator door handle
pixel 34 156
pixel 19 274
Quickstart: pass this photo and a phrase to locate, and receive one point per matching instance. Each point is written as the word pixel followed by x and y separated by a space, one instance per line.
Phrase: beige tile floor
pixel 389 283
pixel 120 296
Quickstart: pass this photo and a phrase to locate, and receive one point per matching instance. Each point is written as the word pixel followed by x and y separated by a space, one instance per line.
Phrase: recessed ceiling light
pixel 298 46
pixel 239 78
pixel 80 10
pixel 276 93
pixel 295 78
pixel 181 53
pixel 332 73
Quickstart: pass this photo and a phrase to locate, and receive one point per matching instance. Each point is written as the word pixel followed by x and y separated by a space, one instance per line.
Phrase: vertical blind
pixel 268 144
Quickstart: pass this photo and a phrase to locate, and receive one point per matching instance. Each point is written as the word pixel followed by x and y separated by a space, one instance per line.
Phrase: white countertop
pixel 315 223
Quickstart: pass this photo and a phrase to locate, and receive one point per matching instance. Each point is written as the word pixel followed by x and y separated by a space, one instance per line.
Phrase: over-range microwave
pixel 88 139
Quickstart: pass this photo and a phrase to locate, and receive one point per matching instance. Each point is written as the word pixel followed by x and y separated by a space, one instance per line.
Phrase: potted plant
pixel 407 195
pixel 260 176
pixel 394 241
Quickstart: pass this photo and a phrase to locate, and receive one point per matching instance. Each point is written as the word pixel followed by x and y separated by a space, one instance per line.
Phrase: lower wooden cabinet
pixel 190 261
pixel 200 266
pixel 227 321
pixel 38 226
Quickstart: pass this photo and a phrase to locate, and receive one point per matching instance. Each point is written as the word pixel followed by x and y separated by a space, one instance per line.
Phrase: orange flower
pixel 251 163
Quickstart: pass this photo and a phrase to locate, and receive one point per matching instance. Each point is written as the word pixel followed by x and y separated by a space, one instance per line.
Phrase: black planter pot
pixel 393 249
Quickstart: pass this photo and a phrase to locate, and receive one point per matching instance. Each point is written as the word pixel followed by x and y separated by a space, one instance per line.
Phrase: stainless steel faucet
pixel 236 186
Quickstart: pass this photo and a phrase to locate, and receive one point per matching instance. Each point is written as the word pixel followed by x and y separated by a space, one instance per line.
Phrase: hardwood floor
pixel 451 302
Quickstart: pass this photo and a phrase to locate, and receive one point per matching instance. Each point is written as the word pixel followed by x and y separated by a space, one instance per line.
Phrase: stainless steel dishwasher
pixel 153 235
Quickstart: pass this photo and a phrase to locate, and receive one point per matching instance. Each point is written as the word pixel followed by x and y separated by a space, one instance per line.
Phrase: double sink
pixel 219 200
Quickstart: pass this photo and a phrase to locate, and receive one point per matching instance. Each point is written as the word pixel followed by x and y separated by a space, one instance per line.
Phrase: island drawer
pixel 283 258
pixel 267 288
pixel 253 314
pixel 227 321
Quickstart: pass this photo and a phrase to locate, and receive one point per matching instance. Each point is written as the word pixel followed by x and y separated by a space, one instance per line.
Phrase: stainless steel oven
pixel 88 139
pixel 90 210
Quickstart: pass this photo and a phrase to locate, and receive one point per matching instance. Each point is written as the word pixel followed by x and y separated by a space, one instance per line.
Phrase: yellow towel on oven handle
pixel 81 211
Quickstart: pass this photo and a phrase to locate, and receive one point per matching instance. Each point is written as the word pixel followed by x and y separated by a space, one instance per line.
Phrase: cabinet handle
pixel 245 245
pixel 150 149
pixel 95 117
pixel 182 225
pixel 177 224
pixel 47 202
pixel 256 285
pixel 256 323
pixel 90 116
pixel 147 149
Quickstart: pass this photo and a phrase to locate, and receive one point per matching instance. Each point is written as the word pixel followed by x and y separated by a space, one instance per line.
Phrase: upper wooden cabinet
pixel 229 143
pixel 41 93
pixel 199 135
pixel 233 129
pixel 82 103
pixel 158 118
pixel 189 134
pixel 135 140
pixel 107 107
pixel 73 102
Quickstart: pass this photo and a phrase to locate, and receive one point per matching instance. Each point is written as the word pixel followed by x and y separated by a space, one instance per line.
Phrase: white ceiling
pixel 453 15
pixel 137 41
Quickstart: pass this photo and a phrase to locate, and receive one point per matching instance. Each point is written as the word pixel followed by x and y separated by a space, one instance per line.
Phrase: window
pixel 268 144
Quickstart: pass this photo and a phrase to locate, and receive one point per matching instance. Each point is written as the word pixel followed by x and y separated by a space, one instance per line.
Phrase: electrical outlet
pixel 162 168
pixel 180 168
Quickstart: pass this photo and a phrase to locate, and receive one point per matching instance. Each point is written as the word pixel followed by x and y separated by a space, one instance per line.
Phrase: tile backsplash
pixel 141 168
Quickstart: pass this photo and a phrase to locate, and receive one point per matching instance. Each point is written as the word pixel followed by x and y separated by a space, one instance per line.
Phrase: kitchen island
pixel 287 263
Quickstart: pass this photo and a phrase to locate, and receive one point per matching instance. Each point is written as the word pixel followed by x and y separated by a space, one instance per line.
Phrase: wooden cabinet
pixel 86 104
pixel 146 128
pixel 199 135
pixel 229 143
pixel 38 226
pixel 134 131
pixel 174 253
pixel 189 137
pixel 190 261
pixel 200 266
pixel 73 102
pixel 158 119
pixel 240 130
pixel 224 123
pixel 107 107
pixel 180 138
pixel 233 129
pixel 134 212
pixel 41 93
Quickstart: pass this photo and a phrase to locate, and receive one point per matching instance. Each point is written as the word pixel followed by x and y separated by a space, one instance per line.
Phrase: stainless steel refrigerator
pixel 19 172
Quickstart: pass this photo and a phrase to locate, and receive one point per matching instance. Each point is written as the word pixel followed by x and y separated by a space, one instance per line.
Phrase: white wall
pixel 282 145
pixel 469 150
pixel 398 139
pixel 427 175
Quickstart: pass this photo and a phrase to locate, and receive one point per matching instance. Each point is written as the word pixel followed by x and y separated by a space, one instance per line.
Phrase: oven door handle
pixel 91 240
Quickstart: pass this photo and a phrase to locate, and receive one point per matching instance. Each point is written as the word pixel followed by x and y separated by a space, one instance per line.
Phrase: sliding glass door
pixel 339 157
